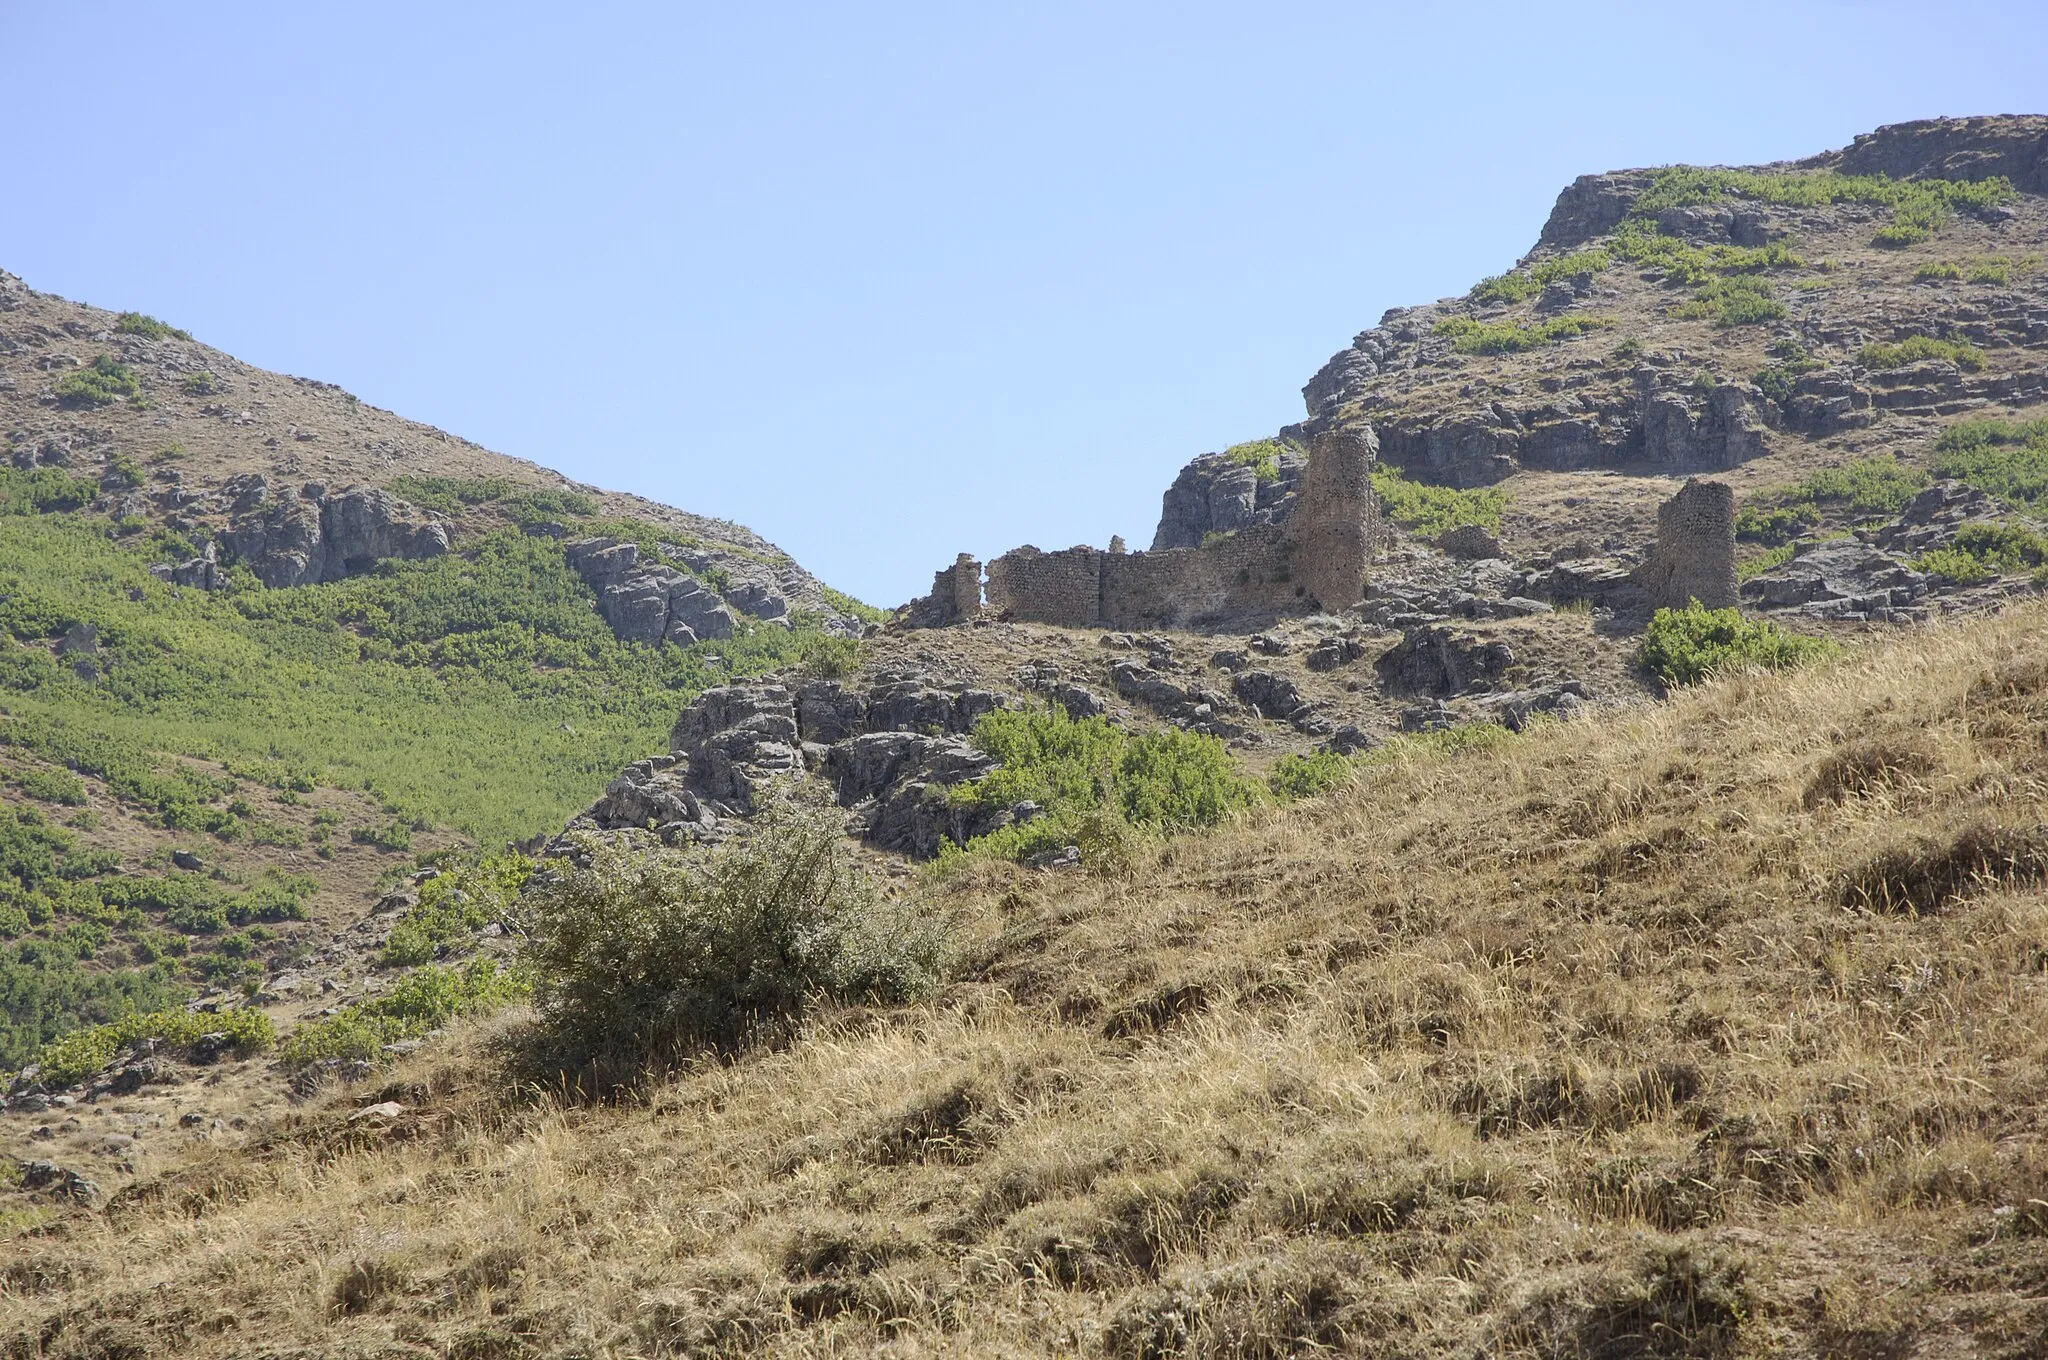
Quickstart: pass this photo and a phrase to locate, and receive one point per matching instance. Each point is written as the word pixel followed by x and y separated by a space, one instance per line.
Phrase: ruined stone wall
pixel 1063 588
pixel 1694 556
pixel 955 597
pixel 1317 558
pixel 1250 572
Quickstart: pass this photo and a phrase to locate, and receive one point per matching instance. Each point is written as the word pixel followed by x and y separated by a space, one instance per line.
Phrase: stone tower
pixel 1331 529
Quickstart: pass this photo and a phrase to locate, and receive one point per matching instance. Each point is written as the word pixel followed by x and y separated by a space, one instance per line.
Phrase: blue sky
pixel 885 282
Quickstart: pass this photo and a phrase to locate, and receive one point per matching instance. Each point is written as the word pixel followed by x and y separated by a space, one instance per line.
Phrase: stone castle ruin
pixel 1316 559
pixel 1694 555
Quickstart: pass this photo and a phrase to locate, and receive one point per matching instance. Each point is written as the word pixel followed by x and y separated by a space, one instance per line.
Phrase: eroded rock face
pixel 649 602
pixel 305 537
pixel 1439 659
pixel 1214 495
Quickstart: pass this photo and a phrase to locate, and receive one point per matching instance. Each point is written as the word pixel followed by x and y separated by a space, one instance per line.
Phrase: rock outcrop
pixel 649 602
pixel 306 536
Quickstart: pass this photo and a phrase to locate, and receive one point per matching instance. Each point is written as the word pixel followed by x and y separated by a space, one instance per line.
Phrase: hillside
pixel 1710 1031
pixel 1542 857
pixel 307 644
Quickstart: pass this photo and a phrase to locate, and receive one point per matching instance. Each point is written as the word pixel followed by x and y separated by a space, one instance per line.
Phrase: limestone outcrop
pixel 306 536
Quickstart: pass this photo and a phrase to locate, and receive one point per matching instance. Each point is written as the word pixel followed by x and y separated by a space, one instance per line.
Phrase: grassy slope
pixel 1573 1045
pixel 480 690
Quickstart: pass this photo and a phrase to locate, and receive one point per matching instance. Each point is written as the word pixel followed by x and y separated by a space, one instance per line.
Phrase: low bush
pixel 148 327
pixel 1514 337
pixel 1918 348
pixel 641 958
pixel 102 382
pixel 455 905
pixel 1522 284
pixel 1092 781
pixel 1742 300
pixel 1262 456
pixel 1982 551
pixel 83 1052
pixel 1309 776
pixel 1686 646
pixel 2006 459
pixel 421 1002
pixel 1428 509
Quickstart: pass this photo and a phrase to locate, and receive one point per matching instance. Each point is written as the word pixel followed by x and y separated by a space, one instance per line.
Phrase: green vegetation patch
pixel 419 1003
pixel 1742 300
pixel 148 327
pixel 2006 459
pixel 1864 486
pixel 1917 348
pixel 1520 285
pixel 454 906
pixel 1092 781
pixel 1686 646
pixel 83 1052
pixel 102 382
pixel 43 490
pixel 1262 456
pixel 1428 510
pixel 1515 337
pixel 1919 207
pixel 1983 551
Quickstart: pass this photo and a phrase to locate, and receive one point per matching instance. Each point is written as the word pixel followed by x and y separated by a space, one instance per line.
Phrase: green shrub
pixel 83 1052
pixel 1685 646
pixel 1428 509
pixel 455 905
pixel 2007 459
pixel 1742 300
pixel 1309 776
pixel 1982 551
pixel 1093 781
pixel 1260 455
pixel 102 382
pixel 421 1002
pixel 1776 524
pixel 1765 561
pixel 1514 337
pixel 1914 349
pixel 51 786
pixel 645 957
pixel 1956 568
pixel 148 327
pixel 1522 284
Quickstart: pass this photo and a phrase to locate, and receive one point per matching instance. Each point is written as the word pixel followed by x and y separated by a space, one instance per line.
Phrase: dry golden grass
pixel 1721 1029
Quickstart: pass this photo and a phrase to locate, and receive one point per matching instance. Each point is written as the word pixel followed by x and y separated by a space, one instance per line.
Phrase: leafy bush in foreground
pixel 1685 646
pixel 645 957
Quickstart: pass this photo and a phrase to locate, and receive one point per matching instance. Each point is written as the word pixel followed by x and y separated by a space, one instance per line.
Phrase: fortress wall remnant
pixel 955 597
pixel 1063 588
pixel 1332 525
pixel 1694 555
pixel 1317 558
